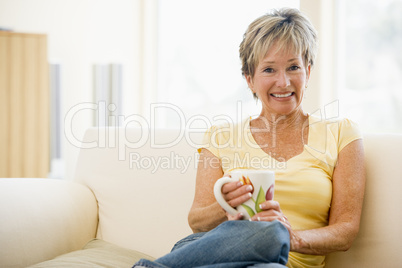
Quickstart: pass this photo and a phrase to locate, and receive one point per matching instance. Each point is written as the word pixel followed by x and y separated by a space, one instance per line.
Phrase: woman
pixel 318 164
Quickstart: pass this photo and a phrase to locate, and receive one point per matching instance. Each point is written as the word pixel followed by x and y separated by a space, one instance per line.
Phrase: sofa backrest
pixel 378 242
pixel 144 183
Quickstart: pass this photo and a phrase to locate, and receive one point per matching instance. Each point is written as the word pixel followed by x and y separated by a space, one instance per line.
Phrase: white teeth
pixel 282 95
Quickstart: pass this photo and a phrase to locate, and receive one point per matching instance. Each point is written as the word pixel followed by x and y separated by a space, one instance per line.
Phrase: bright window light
pixel 370 63
pixel 198 59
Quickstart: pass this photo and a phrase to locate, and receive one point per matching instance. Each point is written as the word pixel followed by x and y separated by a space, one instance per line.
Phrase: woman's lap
pixel 231 244
pixel 151 264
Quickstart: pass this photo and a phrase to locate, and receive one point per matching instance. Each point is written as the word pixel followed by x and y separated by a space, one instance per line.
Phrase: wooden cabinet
pixel 24 105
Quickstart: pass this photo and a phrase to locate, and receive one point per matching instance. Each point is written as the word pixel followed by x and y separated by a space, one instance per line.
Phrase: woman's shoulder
pixel 229 127
pixel 226 132
pixel 340 129
pixel 332 123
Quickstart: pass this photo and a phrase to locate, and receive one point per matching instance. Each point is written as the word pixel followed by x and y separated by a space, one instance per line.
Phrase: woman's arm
pixel 206 213
pixel 348 183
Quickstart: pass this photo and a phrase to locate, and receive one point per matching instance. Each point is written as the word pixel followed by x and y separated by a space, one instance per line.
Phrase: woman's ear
pixel 250 83
pixel 308 70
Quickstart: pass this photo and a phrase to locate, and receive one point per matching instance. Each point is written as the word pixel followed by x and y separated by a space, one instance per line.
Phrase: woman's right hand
pixel 206 213
pixel 235 194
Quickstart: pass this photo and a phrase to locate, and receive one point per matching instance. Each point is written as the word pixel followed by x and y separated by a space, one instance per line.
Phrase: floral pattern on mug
pixel 261 197
pixel 246 181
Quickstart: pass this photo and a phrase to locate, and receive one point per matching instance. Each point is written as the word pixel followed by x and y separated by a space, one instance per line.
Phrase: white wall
pixel 81 33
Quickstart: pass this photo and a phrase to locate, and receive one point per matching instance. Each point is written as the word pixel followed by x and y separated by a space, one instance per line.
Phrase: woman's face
pixel 279 81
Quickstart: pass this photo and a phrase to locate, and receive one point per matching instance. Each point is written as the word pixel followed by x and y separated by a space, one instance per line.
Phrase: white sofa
pixel 132 193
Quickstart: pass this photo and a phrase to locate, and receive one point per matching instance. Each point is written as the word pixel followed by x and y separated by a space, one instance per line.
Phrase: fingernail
pixel 249 188
pixel 240 183
pixel 262 206
pixel 259 219
pixel 250 195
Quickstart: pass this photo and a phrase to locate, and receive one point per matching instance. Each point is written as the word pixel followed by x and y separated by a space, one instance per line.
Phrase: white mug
pixel 263 182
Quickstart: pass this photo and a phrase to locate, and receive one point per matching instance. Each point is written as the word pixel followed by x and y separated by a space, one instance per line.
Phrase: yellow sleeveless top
pixel 303 184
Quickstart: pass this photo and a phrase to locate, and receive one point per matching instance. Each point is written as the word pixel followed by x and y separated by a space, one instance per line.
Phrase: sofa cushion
pixel 97 253
pixel 144 184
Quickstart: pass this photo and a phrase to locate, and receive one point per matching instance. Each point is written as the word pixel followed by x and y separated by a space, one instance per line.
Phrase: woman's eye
pixel 269 70
pixel 294 68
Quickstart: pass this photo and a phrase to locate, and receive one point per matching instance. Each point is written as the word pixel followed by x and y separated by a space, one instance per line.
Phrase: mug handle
pixel 218 195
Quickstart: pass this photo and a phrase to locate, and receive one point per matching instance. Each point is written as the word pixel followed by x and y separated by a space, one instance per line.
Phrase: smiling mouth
pixel 283 95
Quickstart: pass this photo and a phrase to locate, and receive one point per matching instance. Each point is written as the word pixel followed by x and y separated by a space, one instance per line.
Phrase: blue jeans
pixel 232 244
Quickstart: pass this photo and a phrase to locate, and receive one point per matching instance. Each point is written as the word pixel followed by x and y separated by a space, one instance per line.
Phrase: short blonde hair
pixel 288 27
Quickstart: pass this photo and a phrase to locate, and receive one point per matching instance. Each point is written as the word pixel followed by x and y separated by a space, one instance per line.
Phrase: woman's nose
pixel 282 80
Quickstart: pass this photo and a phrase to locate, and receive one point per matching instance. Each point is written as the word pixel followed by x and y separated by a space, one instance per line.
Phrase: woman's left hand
pixel 272 211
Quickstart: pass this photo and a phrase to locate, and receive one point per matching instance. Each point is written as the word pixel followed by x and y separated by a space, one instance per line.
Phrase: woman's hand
pixel 272 211
pixel 235 194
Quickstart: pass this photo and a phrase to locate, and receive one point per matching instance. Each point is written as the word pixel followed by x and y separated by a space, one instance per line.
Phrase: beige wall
pixel 80 34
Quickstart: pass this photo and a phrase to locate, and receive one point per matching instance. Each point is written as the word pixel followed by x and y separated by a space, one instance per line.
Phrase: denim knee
pixel 268 240
pixel 187 240
pixel 280 233
pixel 232 242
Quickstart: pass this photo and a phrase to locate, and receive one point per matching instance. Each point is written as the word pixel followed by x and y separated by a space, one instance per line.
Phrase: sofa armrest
pixel 43 218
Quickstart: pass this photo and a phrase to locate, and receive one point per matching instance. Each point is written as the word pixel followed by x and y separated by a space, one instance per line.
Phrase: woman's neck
pixel 279 122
